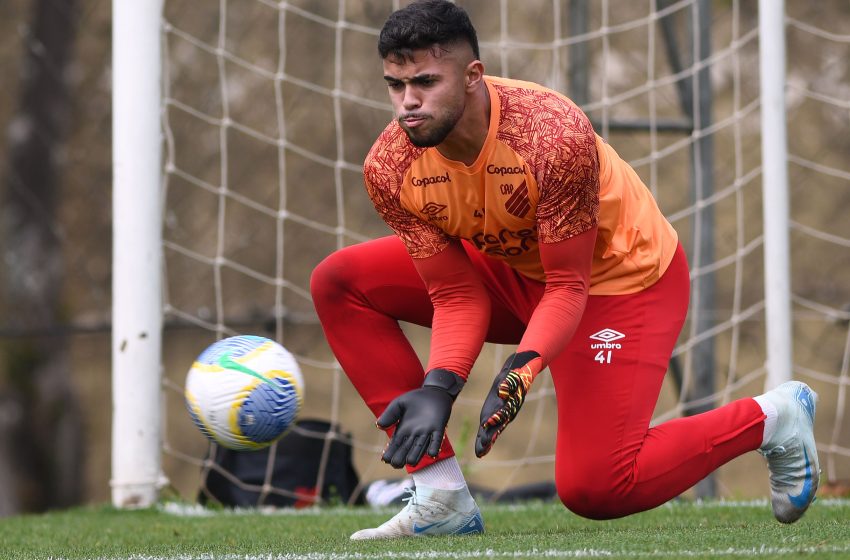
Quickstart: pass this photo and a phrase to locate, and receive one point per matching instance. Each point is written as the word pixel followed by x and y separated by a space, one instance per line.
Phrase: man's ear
pixel 474 74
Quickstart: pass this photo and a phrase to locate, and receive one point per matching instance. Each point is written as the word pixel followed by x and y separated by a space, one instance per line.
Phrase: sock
pixel 445 475
pixel 772 415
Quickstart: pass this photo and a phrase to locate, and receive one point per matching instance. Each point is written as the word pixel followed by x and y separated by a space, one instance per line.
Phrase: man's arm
pixel 461 316
pixel 567 222
pixel 567 267
pixel 461 309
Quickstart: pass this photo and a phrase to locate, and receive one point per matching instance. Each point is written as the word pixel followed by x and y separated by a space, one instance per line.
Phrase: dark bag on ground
pixel 294 475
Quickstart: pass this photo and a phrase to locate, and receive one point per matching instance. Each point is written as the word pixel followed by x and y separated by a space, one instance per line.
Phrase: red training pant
pixel 609 462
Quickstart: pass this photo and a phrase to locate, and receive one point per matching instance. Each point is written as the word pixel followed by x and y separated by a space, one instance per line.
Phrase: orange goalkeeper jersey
pixel 542 175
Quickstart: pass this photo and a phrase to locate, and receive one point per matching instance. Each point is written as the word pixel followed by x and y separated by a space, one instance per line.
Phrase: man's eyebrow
pixel 418 79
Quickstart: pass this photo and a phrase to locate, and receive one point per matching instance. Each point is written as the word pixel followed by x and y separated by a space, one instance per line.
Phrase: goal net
pixel 269 108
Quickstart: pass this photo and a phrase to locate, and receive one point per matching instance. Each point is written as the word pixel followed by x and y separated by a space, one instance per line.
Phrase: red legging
pixel 609 462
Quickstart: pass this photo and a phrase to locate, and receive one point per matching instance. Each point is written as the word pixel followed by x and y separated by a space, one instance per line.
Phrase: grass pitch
pixel 177 532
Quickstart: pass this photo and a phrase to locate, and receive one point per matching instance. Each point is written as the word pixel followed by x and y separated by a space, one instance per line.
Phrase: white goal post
pixel 137 252
pixel 774 175
pixel 138 220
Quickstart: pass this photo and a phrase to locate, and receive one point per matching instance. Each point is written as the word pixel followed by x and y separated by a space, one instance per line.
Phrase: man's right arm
pixel 461 309
pixel 459 325
pixel 461 305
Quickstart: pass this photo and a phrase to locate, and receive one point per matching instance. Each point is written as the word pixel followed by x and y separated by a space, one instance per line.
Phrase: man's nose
pixel 411 99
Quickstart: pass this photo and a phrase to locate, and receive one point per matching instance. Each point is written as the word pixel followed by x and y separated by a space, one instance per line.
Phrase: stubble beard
pixel 435 137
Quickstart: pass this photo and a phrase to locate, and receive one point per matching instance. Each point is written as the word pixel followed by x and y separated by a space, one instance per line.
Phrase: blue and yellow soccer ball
pixel 244 392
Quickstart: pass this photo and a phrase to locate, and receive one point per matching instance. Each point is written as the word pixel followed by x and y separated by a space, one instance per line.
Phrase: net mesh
pixel 270 107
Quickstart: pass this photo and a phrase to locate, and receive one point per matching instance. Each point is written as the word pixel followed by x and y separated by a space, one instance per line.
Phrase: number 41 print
pixel 603 357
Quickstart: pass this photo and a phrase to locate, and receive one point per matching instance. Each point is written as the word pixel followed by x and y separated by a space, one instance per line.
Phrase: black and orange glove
pixel 506 397
pixel 420 417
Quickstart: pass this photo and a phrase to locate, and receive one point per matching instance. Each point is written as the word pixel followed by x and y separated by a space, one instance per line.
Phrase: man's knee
pixel 592 496
pixel 331 279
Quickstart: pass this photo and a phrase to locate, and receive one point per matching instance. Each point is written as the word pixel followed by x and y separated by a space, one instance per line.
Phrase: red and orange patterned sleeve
pixel 569 191
pixel 383 173
pixel 556 138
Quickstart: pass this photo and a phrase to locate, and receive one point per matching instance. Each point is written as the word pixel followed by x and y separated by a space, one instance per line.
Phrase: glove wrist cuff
pixel 520 359
pixel 447 380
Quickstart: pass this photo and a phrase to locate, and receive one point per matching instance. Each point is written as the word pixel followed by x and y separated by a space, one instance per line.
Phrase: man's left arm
pixel 567 266
pixel 553 323
pixel 567 220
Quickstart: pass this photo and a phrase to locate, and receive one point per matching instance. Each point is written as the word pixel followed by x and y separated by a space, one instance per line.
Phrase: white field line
pixel 731 552
pixel 194 510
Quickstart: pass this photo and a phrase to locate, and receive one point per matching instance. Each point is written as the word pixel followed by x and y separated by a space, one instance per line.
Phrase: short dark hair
pixel 423 24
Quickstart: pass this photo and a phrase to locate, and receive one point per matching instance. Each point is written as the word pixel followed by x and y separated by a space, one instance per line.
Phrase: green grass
pixel 679 530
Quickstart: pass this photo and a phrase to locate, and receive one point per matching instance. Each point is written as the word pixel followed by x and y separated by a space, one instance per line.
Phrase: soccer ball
pixel 244 392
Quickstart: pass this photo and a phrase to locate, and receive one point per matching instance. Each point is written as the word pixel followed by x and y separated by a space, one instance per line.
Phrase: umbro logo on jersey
pixel 425 181
pixel 519 204
pixel 606 338
pixel 432 210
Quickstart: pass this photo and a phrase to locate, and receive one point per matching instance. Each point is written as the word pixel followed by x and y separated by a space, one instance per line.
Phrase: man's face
pixel 427 93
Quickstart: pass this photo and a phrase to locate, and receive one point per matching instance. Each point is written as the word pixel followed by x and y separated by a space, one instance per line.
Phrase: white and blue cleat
pixel 430 511
pixel 792 457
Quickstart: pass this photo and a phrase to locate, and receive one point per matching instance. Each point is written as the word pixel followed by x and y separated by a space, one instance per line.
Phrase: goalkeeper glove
pixel 420 417
pixel 506 397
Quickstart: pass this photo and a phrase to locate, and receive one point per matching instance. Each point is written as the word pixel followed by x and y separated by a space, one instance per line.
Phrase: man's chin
pixel 420 141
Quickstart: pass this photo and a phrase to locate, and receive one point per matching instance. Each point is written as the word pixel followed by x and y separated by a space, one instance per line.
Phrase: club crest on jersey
pixel 606 344
pixel 519 204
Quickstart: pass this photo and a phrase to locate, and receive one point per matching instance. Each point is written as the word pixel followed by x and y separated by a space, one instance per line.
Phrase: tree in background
pixel 40 426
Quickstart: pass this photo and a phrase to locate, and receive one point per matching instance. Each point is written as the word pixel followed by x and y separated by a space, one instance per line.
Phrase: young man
pixel 515 223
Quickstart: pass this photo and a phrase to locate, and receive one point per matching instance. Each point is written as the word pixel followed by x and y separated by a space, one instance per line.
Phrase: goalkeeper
pixel 516 224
